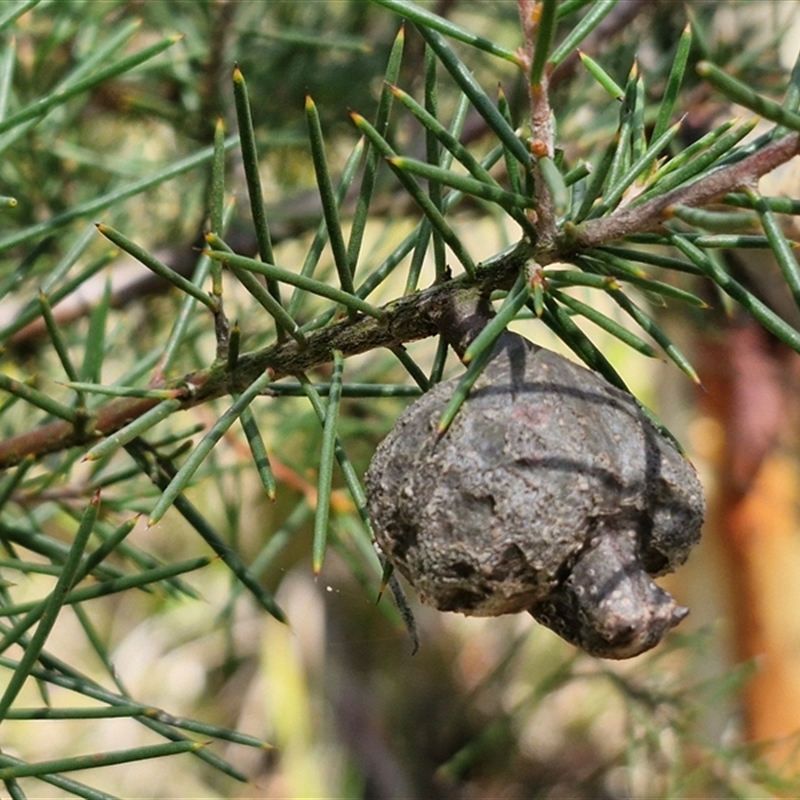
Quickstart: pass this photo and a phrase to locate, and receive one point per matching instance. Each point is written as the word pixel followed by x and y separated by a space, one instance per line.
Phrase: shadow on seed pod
pixel 551 492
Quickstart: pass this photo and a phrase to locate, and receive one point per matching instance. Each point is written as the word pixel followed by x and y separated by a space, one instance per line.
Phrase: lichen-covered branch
pixel 412 317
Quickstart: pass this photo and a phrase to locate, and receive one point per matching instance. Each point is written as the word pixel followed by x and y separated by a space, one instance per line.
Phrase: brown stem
pixel 411 317
pixel 652 214
pixel 542 140
pixel 462 317
pixel 456 308
pixel 542 145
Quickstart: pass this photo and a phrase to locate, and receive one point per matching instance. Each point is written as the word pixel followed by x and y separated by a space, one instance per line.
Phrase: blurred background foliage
pixel 487 707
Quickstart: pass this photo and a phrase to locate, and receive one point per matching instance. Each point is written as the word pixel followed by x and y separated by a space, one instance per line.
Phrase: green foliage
pixel 263 313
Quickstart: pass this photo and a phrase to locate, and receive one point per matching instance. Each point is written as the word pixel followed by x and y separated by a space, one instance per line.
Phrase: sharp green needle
pixel 326 459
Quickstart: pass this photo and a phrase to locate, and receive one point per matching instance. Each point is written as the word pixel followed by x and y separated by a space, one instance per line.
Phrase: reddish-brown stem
pixel 542 134
pixel 651 214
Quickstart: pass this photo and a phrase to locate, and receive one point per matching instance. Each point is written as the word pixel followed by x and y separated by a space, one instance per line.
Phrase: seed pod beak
pixel 609 606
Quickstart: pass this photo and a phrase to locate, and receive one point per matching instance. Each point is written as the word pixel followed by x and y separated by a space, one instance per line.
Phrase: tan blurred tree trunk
pixel 752 391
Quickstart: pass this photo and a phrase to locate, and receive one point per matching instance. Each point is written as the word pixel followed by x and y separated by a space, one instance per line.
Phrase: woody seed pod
pixel 551 492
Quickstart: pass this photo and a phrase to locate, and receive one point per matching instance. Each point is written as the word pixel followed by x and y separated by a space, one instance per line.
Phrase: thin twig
pixel 541 117
pixel 652 214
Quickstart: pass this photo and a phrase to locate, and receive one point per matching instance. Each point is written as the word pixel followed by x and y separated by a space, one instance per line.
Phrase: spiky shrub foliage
pixel 103 474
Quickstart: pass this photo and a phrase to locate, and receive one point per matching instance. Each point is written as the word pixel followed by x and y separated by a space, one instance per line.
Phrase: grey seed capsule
pixel 550 493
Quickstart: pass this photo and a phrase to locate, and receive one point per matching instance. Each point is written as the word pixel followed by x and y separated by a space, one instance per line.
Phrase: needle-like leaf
pixel 98 759
pixel 601 76
pixel 513 302
pixel 433 214
pixel 326 459
pixel 779 244
pixel 247 138
pixel 426 20
pixel 589 22
pixel 674 81
pixel 329 203
pixel 51 610
pixel 182 477
pixel 158 267
pixel 301 281
pixel 744 95
pixel 545 30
